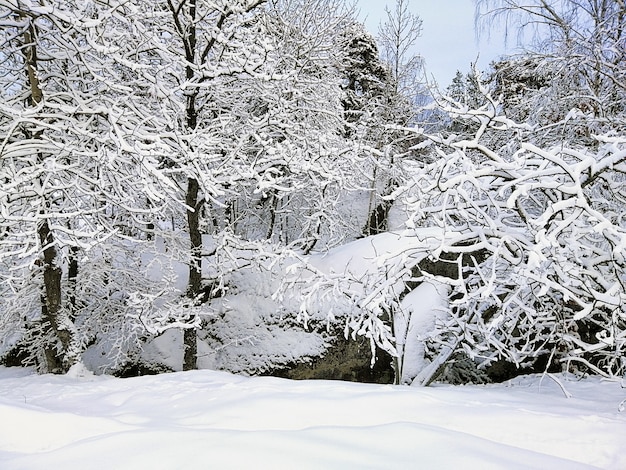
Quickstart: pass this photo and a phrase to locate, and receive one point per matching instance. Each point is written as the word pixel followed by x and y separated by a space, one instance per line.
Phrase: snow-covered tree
pixel 77 175
pixel 570 79
pixel 397 38
pixel 301 160
pixel 365 78
pixel 198 53
pixel 404 92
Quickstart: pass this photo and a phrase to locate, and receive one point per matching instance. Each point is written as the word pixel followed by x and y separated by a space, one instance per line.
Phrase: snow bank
pixel 205 419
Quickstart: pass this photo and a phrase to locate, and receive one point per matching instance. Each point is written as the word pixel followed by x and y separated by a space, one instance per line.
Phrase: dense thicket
pixel 521 212
pixel 161 161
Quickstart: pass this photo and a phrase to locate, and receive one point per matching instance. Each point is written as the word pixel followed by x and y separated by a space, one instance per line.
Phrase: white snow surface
pixel 207 419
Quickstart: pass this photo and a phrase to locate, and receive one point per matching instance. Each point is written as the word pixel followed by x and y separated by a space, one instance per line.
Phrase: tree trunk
pixel 150 225
pixel 378 219
pixel 72 276
pixel 273 207
pixel 194 285
pixel 52 309
pixel 190 342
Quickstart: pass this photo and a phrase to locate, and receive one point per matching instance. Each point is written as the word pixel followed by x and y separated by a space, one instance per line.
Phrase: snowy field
pixel 205 419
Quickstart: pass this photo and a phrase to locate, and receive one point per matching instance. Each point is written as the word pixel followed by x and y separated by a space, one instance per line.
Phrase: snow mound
pixel 208 419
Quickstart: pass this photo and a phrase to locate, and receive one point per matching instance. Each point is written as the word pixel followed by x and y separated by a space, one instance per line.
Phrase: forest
pixel 258 186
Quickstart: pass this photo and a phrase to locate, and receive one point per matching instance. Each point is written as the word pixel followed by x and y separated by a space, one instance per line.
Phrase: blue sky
pixel 448 42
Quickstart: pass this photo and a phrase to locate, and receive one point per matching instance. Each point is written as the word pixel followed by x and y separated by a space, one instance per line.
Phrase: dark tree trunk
pixel 72 276
pixel 194 285
pixel 190 341
pixel 51 307
pixel 273 207
pixel 150 225
pixel 378 220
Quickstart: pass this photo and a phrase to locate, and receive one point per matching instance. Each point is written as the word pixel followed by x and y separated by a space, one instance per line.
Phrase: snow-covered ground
pixel 206 419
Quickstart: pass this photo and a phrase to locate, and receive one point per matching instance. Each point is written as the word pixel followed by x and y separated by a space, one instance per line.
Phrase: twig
pixel 558 382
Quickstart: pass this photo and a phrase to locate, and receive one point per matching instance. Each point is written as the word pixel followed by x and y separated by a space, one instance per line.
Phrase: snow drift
pixel 206 419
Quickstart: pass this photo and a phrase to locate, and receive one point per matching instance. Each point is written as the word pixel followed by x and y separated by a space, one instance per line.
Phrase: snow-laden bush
pixel 539 237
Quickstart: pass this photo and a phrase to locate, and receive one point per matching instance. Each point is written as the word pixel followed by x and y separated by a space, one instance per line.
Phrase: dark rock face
pixel 139 369
pixel 346 359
